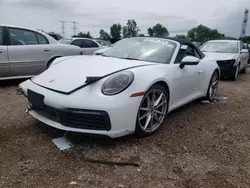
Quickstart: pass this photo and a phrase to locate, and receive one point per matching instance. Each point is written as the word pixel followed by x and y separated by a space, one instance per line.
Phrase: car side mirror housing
pixel 189 60
pixel 244 51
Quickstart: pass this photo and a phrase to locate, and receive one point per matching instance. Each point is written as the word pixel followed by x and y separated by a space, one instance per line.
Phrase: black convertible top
pixel 183 42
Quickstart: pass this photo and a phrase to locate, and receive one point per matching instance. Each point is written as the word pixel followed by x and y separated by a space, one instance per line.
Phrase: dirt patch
pixel 200 145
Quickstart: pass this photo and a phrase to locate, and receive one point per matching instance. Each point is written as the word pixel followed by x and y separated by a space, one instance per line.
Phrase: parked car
pixel 103 42
pixel 131 88
pixel 101 51
pixel 56 36
pixel 248 48
pixel 89 46
pixel 27 52
pixel 231 56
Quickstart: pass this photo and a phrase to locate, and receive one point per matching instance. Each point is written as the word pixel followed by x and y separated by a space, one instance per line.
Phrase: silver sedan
pixel 27 52
pixel 89 46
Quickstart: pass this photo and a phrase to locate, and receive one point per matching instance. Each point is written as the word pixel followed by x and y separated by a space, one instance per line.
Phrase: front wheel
pixel 213 86
pixel 244 71
pixel 152 111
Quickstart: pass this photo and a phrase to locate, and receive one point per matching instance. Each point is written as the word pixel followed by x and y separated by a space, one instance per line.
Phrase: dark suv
pixel 55 36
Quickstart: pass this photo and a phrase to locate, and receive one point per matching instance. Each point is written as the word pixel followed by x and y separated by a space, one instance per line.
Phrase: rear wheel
pixel 152 111
pixel 213 86
pixel 50 62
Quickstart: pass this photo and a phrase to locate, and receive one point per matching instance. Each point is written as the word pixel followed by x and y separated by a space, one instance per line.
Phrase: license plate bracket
pixel 36 100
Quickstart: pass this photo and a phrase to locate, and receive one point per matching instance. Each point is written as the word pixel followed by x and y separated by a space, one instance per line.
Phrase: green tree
pixel 181 36
pixel 83 35
pixel 150 32
pixel 115 31
pixel 245 39
pixel 131 29
pixel 104 35
pixel 203 34
pixel 158 31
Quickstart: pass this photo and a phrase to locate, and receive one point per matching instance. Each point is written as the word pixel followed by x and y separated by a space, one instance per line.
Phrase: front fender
pixel 147 76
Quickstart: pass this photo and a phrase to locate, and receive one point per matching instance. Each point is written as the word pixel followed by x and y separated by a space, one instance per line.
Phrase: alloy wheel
pixel 152 110
pixel 213 86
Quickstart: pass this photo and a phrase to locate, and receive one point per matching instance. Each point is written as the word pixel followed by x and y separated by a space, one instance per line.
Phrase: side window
pixel 247 47
pixel 42 39
pixel 241 45
pixel 89 44
pixel 77 42
pixel 197 54
pixel 1 35
pixel 244 46
pixel 190 51
pixel 22 37
pixel 181 54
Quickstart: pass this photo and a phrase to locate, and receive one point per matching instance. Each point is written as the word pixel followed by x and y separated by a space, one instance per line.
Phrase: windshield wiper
pixel 131 58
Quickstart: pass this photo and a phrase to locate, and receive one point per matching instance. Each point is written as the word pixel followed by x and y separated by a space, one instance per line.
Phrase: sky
pixel 178 16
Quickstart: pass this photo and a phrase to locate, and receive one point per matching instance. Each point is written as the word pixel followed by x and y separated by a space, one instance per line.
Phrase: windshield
pixel 65 41
pixel 223 47
pixel 144 49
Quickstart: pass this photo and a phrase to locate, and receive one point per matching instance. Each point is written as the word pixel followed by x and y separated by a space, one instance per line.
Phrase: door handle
pixel 46 50
pixel 200 71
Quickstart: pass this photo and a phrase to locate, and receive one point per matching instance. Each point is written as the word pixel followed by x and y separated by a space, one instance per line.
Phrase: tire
pixel 151 116
pixel 244 71
pixel 213 86
pixel 235 73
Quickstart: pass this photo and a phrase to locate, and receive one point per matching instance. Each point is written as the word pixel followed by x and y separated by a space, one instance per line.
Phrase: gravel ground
pixel 200 145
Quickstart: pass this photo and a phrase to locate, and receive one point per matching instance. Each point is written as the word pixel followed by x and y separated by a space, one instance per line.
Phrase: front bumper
pixel 111 116
pixel 57 125
pixel 227 67
pixel 227 71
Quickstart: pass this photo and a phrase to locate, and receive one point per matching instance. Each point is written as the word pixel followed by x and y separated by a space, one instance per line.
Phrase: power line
pixel 74 27
pixel 63 27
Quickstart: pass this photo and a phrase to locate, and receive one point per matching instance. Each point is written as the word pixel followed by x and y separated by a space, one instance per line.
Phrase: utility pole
pixel 74 27
pixel 63 27
pixel 244 23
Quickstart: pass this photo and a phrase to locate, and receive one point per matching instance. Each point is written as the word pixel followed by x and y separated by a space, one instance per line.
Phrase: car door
pixel 89 47
pixel 4 61
pixel 187 80
pixel 28 51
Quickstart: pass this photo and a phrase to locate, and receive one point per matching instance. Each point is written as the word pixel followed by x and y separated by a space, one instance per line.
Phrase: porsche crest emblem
pixel 51 81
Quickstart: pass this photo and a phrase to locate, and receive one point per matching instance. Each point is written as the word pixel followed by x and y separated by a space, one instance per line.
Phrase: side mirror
pixel 189 60
pixel 244 51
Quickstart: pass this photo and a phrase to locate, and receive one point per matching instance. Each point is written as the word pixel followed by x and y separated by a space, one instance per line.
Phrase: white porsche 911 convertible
pixel 129 89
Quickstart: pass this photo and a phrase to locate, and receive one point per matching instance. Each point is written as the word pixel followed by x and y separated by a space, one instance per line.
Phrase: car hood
pixel 219 56
pixel 71 73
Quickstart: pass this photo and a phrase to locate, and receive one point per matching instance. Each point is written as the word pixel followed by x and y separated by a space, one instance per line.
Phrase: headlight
pixel 118 83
